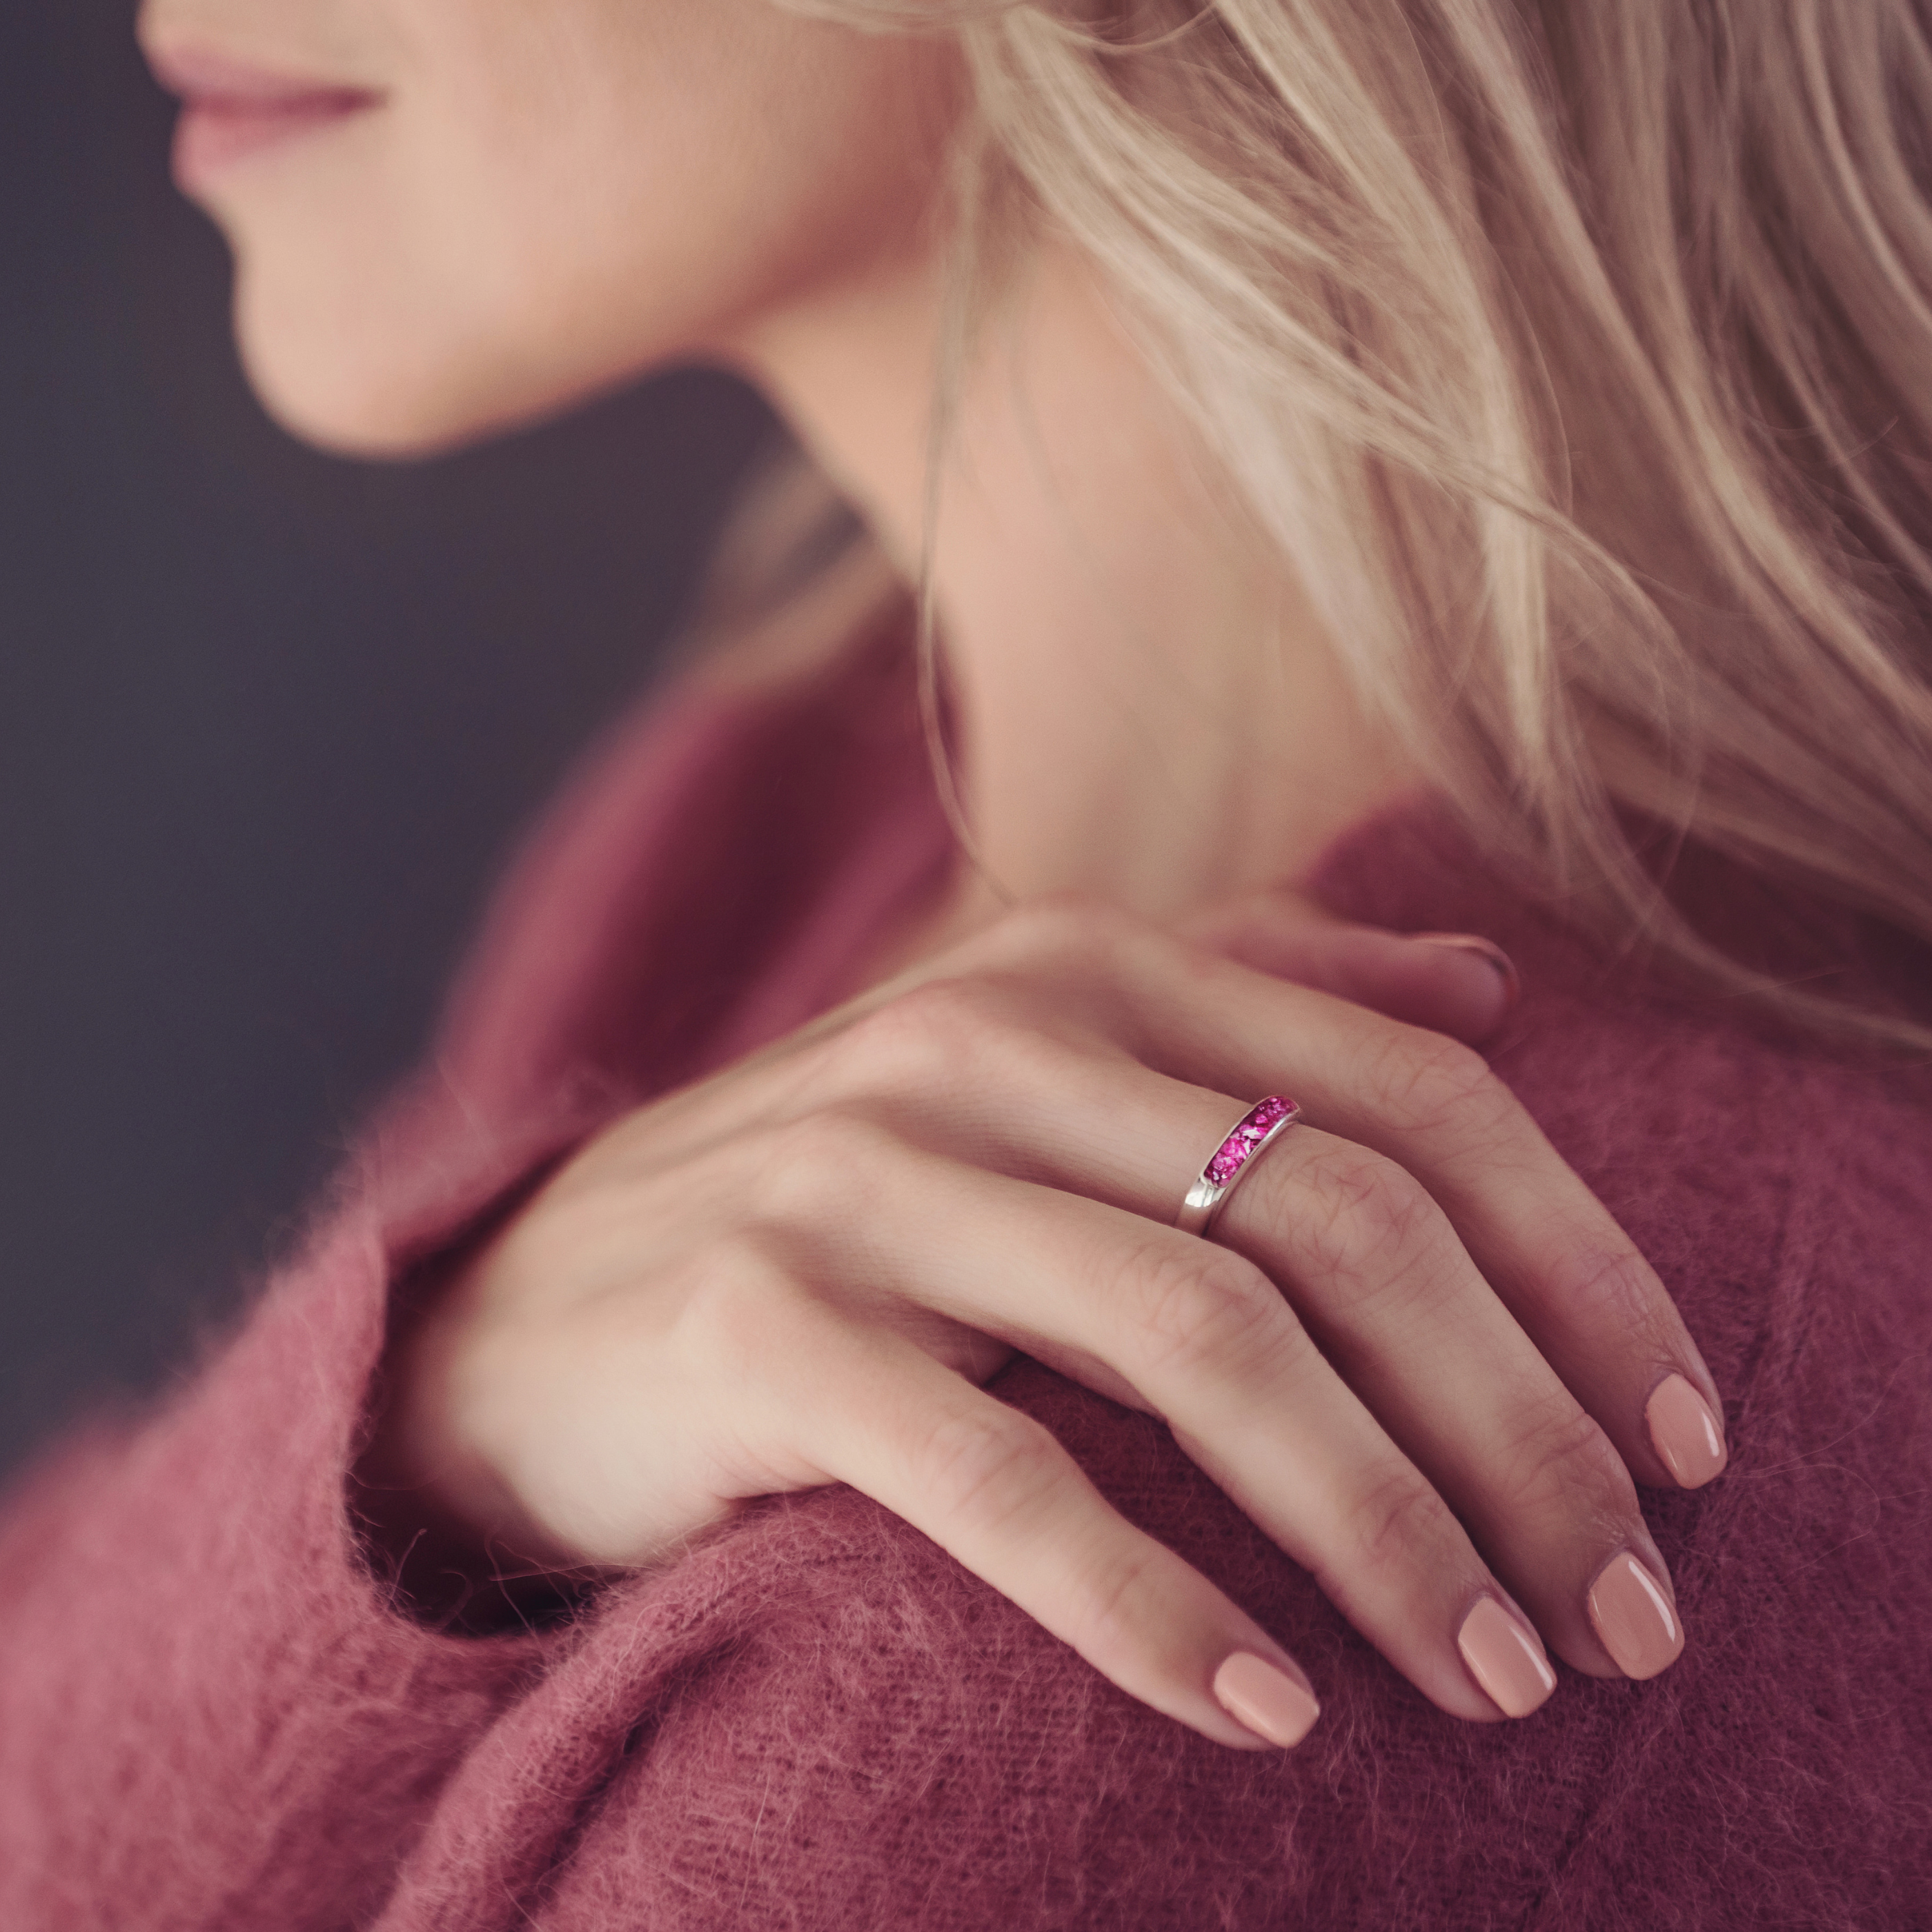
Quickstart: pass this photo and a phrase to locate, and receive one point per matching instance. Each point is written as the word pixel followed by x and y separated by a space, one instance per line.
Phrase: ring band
pixel 1232 1159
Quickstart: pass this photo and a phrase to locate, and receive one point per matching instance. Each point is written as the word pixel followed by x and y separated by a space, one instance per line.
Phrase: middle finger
pixel 1382 1282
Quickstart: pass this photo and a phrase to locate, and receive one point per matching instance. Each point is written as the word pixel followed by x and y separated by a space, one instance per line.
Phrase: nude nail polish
pixel 1685 1433
pixel 1483 949
pixel 1635 1619
pixel 1505 1659
pixel 1268 1702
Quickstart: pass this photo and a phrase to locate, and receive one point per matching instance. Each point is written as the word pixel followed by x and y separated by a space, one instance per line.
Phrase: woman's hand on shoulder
pixel 1418 1353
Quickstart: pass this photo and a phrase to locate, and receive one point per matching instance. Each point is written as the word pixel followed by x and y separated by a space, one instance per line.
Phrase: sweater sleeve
pixel 214 1711
pixel 211 1712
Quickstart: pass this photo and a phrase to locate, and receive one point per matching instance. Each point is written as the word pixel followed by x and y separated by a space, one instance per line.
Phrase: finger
pixel 1201 1336
pixel 1394 1298
pixel 1573 1280
pixel 992 1486
pixel 1455 983
pixel 1377 1272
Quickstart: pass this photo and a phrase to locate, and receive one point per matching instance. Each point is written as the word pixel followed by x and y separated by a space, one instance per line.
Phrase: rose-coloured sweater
pixel 219 1710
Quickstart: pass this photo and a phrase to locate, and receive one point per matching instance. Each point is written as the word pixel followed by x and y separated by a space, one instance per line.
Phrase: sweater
pixel 222 1706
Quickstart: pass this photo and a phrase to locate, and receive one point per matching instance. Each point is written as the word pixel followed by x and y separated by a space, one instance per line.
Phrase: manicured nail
pixel 1640 1628
pixel 1685 1433
pixel 1483 949
pixel 1267 1701
pixel 1505 1659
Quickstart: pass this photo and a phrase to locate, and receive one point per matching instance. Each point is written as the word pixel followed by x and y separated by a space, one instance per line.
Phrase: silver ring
pixel 1262 1124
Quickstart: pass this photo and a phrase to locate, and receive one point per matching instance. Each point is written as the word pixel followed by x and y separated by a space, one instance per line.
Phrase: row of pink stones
pixel 1256 1126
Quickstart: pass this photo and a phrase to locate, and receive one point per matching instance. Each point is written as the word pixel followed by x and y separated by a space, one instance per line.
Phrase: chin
pixel 351 395
pixel 392 385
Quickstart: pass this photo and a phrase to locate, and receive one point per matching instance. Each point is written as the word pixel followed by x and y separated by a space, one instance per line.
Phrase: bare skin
pixel 1144 714
pixel 1419 1354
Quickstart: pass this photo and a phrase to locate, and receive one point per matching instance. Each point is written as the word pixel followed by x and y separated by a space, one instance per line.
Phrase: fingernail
pixel 1505 1659
pixel 1685 1433
pixel 1638 1626
pixel 1269 1701
pixel 1483 949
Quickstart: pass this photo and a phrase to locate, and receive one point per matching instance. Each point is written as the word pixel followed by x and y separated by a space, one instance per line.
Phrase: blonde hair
pixel 1577 358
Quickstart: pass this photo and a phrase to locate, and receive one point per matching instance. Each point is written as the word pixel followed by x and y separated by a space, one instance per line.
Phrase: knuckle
pixel 742 1304
pixel 1561 1462
pixel 1364 1219
pixel 989 1469
pixel 973 1026
pixel 1424 1081
pixel 1397 1524
pixel 1072 932
pixel 929 1029
pixel 816 1165
pixel 1611 1291
pixel 1206 1311
pixel 1111 1618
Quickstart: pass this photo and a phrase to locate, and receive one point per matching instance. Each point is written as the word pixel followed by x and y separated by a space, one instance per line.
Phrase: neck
pixel 1148 710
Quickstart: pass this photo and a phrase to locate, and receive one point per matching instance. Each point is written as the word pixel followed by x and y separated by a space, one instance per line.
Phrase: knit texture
pixel 218 1710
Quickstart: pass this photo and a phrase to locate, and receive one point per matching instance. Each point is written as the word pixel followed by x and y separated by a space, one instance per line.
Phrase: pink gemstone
pixel 1255 1128
pixel 1228 1160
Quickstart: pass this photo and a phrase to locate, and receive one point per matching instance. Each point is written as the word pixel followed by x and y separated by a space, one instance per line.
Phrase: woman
pixel 1461 459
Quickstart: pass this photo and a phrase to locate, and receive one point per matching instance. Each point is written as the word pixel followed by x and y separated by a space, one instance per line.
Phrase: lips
pixel 230 111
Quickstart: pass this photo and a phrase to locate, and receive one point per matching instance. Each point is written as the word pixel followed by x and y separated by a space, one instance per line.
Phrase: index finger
pixel 1455 983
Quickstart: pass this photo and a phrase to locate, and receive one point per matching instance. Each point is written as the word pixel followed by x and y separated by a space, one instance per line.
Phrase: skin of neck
pixel 1147 708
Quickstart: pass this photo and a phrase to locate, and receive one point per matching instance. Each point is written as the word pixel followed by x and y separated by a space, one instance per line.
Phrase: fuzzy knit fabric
pixel 218 1710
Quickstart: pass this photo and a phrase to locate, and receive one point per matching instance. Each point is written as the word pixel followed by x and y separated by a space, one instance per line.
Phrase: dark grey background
pixel 268 721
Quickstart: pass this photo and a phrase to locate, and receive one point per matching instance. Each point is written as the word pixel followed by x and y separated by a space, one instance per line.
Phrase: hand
pixel 1417 1342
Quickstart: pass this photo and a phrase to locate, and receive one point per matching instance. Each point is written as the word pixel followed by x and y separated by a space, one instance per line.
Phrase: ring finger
pixel 1382 1280
pixel 1202 1337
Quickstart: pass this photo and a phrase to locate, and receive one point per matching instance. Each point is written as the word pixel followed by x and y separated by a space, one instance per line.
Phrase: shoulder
pixel 1769 1179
